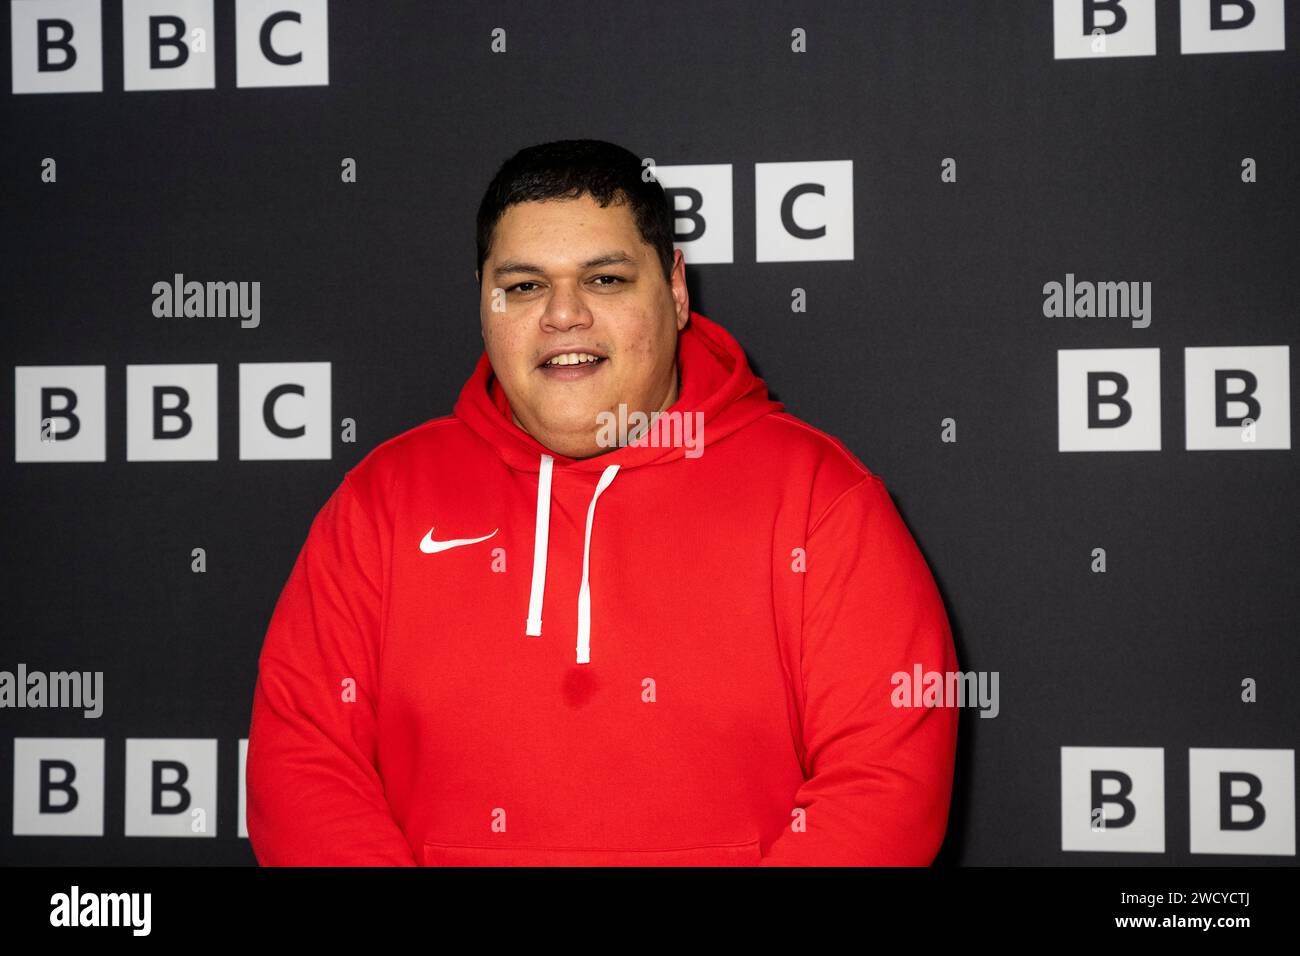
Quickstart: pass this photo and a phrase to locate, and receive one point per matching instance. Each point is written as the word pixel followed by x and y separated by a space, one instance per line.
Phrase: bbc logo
pixel 1237 398
pixel 1097 29
pixel 57 45
pixel 171 787
pixel 803 211
pixel 60 412
pixel 1240 801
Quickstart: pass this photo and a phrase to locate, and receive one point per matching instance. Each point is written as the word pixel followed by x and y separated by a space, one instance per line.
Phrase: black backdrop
pixel 1123 168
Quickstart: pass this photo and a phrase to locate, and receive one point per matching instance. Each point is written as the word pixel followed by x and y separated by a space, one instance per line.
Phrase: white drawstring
pixel 584 593
pixel 540 534
pixel 540 538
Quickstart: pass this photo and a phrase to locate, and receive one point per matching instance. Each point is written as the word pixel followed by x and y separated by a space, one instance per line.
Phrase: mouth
pixel 566 366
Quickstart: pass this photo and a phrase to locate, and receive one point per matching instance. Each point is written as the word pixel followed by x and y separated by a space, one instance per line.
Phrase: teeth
pixel 574 358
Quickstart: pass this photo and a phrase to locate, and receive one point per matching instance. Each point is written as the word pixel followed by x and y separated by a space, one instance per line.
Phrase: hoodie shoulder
pixel 818 460
pixel 375 474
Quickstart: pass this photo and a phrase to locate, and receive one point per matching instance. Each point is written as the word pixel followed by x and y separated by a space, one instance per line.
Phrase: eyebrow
pixel 605 259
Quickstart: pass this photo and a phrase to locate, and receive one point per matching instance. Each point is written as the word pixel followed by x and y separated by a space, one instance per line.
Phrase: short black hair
pixel 569 169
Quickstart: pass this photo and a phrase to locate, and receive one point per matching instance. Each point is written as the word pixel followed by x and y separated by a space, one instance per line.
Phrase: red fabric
pixel 736 710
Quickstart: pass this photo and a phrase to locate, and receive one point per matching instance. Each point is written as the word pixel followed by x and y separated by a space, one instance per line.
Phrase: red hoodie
pixel 491 654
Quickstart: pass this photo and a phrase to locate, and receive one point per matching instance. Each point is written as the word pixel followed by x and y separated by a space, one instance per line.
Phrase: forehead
pixel 564 229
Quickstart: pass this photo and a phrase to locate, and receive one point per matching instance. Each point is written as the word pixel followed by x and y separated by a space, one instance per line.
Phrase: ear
pixel 681 297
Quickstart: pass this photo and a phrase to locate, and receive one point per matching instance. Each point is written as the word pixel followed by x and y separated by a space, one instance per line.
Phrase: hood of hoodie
pixel 717 382
pixel 719 392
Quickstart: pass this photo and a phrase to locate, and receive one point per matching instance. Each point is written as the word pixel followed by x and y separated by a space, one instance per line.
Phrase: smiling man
pixel 713 681
pixel 557 367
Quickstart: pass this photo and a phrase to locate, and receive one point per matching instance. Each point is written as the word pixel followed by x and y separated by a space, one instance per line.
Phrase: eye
pixel 519 286
pixel 615 278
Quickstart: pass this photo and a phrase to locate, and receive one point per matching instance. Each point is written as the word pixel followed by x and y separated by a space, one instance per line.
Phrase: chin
pixel 570 436
pixel 578 449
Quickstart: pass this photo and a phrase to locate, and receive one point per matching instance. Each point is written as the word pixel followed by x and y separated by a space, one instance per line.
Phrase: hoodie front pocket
pixel 717 854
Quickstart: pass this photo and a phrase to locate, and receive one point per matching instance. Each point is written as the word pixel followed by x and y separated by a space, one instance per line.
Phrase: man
pixel 527 633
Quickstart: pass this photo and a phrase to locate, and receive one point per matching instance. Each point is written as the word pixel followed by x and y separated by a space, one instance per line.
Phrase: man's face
pixel 576 278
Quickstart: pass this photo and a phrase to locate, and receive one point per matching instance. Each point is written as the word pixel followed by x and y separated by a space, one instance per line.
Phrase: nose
pixel 565 310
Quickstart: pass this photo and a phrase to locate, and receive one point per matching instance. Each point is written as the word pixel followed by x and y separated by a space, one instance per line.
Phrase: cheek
pixel 504 346
pixel 654 351
pixel 643 348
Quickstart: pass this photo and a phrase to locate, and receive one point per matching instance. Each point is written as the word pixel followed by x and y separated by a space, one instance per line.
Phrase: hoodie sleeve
pixel 877 778
pixel 314 796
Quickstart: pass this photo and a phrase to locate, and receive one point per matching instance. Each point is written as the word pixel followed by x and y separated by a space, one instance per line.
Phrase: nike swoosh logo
pixel 429 546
